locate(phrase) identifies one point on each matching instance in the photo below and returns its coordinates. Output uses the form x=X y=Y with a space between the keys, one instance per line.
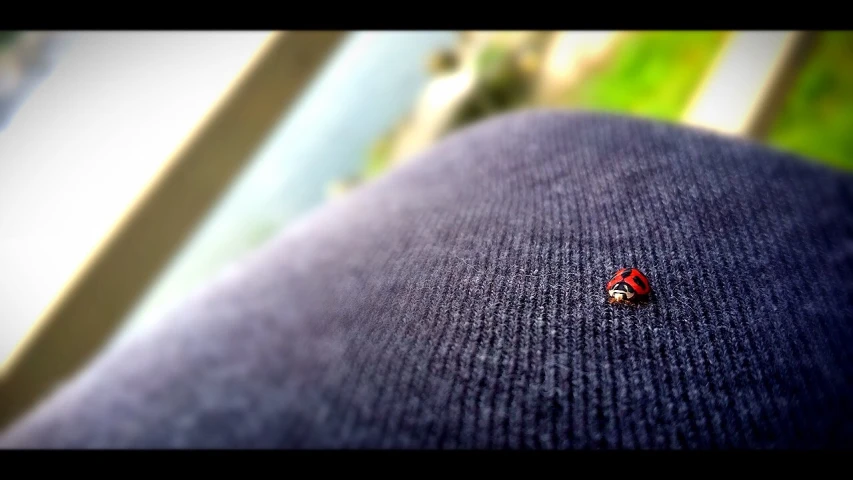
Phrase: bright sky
x=87 y=141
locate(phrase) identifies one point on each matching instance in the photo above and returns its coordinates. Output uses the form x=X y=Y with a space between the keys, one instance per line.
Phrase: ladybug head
x=622 y=291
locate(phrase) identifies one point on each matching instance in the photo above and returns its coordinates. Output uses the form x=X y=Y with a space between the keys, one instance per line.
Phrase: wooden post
x=749 y=81
x=90 y=308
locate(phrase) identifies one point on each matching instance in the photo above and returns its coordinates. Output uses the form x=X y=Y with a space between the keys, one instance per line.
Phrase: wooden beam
x=794 y=55
x=748 y=82
x=91 y=307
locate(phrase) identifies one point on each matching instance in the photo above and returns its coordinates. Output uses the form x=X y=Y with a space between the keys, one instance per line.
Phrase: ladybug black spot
x=626 y=273
x=640 y=282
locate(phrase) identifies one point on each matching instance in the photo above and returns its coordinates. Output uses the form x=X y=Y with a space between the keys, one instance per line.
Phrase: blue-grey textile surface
x=459 y=302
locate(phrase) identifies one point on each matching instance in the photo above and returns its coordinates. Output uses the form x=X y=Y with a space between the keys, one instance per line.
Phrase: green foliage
x=656 y=74
x=817 y=118
x=653 y=74
x=379 y=157
x=491 y=60
x=501 y=86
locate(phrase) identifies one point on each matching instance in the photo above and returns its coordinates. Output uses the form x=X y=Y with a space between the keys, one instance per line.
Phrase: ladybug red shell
x=628 y=285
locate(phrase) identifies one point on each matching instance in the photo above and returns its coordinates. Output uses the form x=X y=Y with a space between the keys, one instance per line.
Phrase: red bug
x=628 y=285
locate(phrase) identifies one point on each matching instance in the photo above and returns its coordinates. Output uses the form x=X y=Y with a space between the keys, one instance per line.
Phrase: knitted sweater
x=459 y=302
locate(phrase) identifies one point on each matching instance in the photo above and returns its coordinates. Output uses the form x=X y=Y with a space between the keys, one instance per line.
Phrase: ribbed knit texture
x=459 y=303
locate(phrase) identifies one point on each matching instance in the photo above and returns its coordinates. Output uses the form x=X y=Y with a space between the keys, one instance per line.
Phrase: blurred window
x=87 y=124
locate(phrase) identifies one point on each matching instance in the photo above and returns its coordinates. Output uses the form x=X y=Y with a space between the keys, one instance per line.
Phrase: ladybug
x=628 y=285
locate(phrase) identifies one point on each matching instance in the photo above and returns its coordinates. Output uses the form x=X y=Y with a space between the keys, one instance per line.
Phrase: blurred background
x=88 y=119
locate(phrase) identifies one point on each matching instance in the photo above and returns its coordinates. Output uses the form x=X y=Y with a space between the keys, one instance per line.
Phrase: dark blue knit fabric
x=459 y=303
